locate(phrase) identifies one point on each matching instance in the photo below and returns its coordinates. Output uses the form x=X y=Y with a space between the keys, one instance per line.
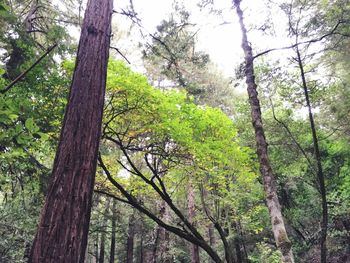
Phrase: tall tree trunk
x=113 y=239
x=97 y=252
x=103 y=234
x=164 y=238
x=238 y=243
x=155 y=244
x=191 y=215
x=211 y=235
x=130 y=240
x=141 y=233
x=320 y=175
x=63 y=229
x=278 y=227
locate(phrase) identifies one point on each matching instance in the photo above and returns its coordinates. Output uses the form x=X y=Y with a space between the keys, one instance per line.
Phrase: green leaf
x=43 y=136
x=31 y=126
x=23 y=139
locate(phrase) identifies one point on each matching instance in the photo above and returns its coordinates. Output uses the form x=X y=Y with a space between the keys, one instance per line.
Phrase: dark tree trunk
x=273 y=204
x=320 y=175
x=191 y=215
x=238 y=243
x=163 y=237
x=212 y=239
x=97 y=252
x=156 y=243
x=113 y=239
x=63 y=229
x=103 y=234
x=130 y=240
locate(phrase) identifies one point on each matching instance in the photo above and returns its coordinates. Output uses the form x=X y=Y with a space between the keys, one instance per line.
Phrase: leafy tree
x=164 y=139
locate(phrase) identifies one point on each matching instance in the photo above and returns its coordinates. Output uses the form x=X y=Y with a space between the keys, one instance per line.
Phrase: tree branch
x=301 y=43
x=120 y=53
x=8 y=87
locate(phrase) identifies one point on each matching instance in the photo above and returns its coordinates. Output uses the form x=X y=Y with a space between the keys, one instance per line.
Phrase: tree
x=173 y=60
x=277 y=221
x=162 y=139
x=63 y=228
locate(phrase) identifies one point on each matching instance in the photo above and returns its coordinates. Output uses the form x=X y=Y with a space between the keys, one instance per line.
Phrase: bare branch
x=120 y=53
x=8 y=87
x=307 y=42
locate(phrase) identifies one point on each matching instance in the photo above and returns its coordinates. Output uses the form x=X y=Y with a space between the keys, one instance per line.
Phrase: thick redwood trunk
x=278 y=227
x=191 y=215
x=63 y=229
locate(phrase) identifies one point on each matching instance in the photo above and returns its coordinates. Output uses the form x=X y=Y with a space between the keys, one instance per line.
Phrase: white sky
x=221 y=42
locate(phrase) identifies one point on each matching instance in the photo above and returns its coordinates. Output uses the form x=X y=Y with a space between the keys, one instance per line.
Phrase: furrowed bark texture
x=278 y=227
x=63 y=229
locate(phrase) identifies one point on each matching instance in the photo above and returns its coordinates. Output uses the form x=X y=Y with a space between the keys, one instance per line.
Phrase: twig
x=292 y=137
x=29 y=69
x=120 y=53
x=301 y=43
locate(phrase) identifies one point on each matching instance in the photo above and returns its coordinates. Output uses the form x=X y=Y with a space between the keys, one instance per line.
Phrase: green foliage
x=265 y=254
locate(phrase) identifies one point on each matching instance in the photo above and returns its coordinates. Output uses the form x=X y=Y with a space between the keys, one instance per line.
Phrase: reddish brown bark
x=63 y=229
x=278 y=227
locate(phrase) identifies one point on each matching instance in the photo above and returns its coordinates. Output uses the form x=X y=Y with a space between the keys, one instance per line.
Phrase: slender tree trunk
x=164 y=238
x=97 y=252
x=238 y=243
x=191 y=215
x=212 y=239
x=130 y=240
x=101 y=257
x=155 y=244
x=103 y=234
x=320 y=175
x=278 y=227
x=113 y=239
x=63 y=228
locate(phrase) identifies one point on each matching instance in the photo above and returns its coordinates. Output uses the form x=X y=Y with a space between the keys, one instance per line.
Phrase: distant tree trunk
x=211 y=235
x=130 y=240
x=155 y=244
x=103 y=234
x=114 y=219
x=97 y=252
x=238 y=243
x=320 y=174
x=211 y=228
x=278 y=227
x=142 y=254
x=191 y=215
x=164 y=238
x=63 y=229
